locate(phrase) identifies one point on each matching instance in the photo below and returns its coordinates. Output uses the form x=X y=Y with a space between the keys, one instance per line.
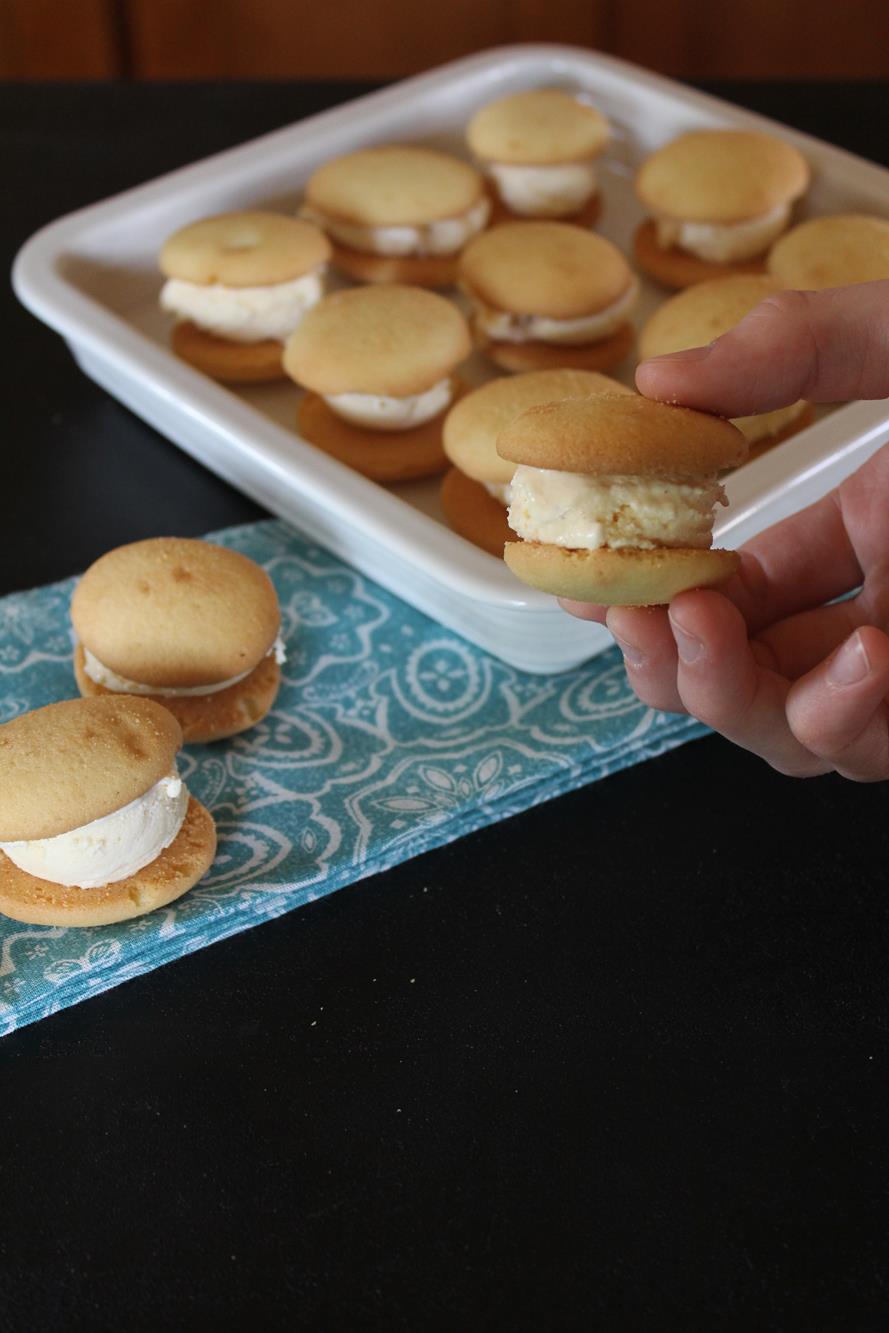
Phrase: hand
x=764 y=661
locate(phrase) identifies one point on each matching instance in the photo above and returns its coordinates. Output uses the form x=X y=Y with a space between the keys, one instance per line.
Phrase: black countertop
x=617 y=1063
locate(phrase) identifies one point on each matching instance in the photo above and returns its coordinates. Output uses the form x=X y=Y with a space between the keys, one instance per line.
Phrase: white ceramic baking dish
x=92 y=276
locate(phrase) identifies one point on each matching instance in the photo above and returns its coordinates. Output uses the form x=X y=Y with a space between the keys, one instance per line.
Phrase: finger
x=721 y=683
x=644 y=637
x=583 y=610
x=794 y=646
x=838 y=710
x=827 y=346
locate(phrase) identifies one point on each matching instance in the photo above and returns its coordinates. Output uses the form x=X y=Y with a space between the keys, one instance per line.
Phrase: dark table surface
x=617 y=1063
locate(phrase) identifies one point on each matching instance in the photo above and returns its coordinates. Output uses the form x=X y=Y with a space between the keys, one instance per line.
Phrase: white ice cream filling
x=244 y=314
x=584 y=512
x=376 y=411
x=503 y=326
x=765 y=424
x=724 y=242
x=446 y=236
x=103 y=675
x=544 y=191
x=112 y=847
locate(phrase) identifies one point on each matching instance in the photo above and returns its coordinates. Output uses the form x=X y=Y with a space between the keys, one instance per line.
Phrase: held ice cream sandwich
x=475 y=490
x=613 y=498
x=96 y=825
x=379 y=363
x=539 y=150
x=836 y=251
x=192 y=625
x=548 y=295
x=718 y=200
x=398 y=213
x=700 y=314
x=239 y=284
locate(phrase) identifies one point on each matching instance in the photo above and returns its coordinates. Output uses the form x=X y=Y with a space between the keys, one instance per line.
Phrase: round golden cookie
x=618 y=578
x=700 y=314
x=587 y=216
x=596 y=356
x=394 y=341
x=69 y=763
x=434 y=271
x=544 y=268
x=176 y=613
x=673 y=267
x=472 y=426
x=695 y=317
x=394 y=185
x=244 y=249
x=473 y=513
x=624 y=434
x=178 y=868
x=206 y=717
x=224 y=359
x=721 y=176
x=385 y=456
x=836 y=251
x=542 y=127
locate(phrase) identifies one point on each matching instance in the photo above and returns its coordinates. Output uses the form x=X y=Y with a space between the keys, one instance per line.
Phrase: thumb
x=827 y=347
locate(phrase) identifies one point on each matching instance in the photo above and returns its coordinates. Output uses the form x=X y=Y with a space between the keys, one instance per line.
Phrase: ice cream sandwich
x=398 y=213
x=695 y=317
x=475 y=489
x=539 y=150
x=192 y=625
x=718 y=199
x=379 y=363
x=96 y=825
x=612 y=498
x=548 y=295
x=238 y=284
x=835 y=251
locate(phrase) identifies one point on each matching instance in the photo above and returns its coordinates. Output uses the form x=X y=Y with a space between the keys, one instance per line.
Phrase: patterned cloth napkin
x=390 y=735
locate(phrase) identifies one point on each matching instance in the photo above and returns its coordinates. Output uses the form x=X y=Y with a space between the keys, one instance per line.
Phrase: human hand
x=764 y=661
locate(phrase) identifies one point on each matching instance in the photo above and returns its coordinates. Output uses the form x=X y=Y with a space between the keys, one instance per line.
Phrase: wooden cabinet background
x=185 y=39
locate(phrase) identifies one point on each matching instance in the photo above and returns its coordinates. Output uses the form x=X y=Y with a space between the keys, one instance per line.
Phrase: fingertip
x=583 y=610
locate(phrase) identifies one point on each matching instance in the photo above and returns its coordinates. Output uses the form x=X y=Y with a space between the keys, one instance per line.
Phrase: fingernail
x=849 y=664
x=689 y=354
x=689 y=646
x=632 y=655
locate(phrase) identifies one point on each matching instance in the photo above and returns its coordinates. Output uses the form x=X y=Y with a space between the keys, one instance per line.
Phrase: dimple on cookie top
x=544 y=268
x=244 y=249
x=622 y=434
x=472 y=427
x=545 y=126
x=386 y=339
x=394 y=184
x=174 y=612
x=721 y=176
x=69 y=763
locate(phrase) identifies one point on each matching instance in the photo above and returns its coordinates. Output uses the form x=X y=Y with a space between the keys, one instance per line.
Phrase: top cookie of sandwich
x=696 y=316
x=835 y=251
x=246 y=249
x=624 y=435
x=472 y=427
x=544 y=268
x=176 y=613
x=382 y=340
x=540 y=128
x=395 y=184
x=721 y=176
x=70 y=763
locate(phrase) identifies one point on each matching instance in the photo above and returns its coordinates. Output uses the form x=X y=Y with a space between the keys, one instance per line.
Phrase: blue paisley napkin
x=390 y=735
